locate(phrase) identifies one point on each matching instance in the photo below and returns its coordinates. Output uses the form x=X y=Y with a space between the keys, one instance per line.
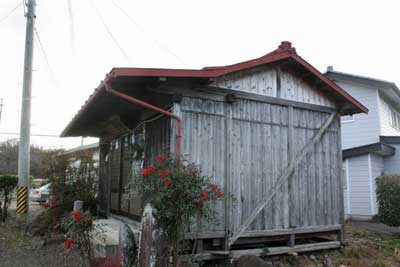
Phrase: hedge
x=388 y=198
x=7 y=186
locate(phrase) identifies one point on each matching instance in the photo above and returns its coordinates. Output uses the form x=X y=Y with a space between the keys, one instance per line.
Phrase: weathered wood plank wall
x=158 y=137
x=260 y=143
x=115 y=173
x=104 y=179
x=203 y=141
x=263 y=81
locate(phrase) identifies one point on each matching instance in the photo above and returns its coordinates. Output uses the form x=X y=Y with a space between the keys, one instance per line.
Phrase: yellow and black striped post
x=22 y=199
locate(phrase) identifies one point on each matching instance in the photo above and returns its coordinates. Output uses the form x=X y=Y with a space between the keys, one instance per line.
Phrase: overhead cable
x=10 y=13
x=140 y=28
x=109 y=31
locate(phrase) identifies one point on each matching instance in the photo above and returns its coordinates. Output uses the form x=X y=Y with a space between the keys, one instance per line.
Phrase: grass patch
x=14 y=235
x=364 y=249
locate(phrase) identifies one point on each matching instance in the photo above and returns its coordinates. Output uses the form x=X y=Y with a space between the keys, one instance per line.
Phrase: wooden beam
x=219 y=94
x=228 y=171
x=271 y=251
x=283 y=178
x=305 y=230
x=267 y=233
x=291 y=155
x=268 y=251
x=341 y=178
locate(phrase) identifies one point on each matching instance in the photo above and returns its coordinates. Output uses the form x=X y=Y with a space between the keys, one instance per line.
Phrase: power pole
x=24 y=141
x=1 y=107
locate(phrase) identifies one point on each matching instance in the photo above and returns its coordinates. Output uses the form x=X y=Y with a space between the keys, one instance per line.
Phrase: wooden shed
x=267 y=130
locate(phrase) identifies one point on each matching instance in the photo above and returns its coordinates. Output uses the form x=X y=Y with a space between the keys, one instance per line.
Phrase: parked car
x=41 y=194
x=38 y=182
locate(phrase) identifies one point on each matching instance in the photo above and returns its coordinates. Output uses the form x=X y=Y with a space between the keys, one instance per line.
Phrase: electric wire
x=140 y=28
x=44 y=54
x=41 y=135
x=10 y=13
x=71 y=24
x=109 y=31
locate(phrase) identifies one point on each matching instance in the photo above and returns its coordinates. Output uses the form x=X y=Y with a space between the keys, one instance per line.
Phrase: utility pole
x=24 y=141
x=1 y=107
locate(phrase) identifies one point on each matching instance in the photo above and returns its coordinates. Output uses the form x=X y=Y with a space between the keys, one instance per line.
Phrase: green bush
x=69 y=182
x=7 y=186
x=388 y=197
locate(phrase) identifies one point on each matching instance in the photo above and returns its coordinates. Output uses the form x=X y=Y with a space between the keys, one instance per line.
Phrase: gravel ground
x=18 y=248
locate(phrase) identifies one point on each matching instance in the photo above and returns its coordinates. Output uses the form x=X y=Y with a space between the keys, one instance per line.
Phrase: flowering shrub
x=79 y=227
x=179 y=192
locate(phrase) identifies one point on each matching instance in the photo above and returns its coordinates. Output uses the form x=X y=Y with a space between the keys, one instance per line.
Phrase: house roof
x=377 y=148
x=390 y=139
x=81 y=148
x=390 y=89
x=285 y=51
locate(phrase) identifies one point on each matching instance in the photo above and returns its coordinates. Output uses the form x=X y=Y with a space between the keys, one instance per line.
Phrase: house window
x=347 y=118
x=394 y=119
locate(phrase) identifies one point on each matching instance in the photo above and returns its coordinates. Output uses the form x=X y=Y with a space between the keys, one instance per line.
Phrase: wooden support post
x=121 y=172
x=176 y=109
x=290 y=160
x=228 y=171
x=292 y=240
x=283 y=178
x=199 y=246
x=341 y=177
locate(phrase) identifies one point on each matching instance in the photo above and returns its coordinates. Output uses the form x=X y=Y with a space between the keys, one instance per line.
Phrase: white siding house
x=364 y=124
x=370 y=142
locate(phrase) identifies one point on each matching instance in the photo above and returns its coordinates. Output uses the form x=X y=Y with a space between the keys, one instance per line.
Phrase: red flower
x=167 y=183
x=163 y=173
x=68 y=243
x=214 y=186
x=77 y=215
x=205 y=195
x=161 y=158
x=147 y=171
x=89 y=221
x=220 y=193
x=200 y=203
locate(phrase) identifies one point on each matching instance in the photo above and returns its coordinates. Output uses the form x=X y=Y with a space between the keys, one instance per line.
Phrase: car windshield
x=45 y=187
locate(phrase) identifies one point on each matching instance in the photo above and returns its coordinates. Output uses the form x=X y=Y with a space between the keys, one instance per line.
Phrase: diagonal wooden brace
x=283 y=178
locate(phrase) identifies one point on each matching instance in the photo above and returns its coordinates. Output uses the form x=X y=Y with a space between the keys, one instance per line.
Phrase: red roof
x=284 y=51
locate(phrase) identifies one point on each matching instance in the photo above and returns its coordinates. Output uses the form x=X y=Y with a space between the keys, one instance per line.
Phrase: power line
x=40 y=135
x=44 y=54
x=109 y=31
x=71 y=24
x=1 y=107
x=10 y=13
x=139 y=27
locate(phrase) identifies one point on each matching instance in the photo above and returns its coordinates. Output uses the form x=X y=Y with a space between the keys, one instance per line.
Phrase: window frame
x=394 y=118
